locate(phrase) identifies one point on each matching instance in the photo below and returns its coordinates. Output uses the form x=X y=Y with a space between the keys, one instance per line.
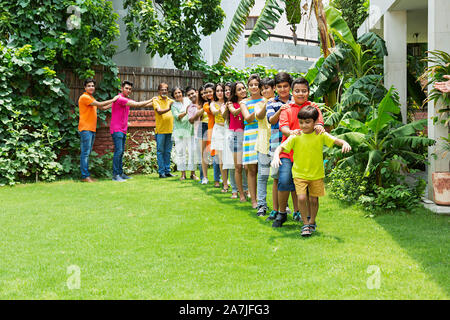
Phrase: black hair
x=175 y=89
x=269 y=82
x=201 y=101
x=255 y=76
x=233 y=96
x=281 y=77
x=189 y=88
x=89 y=81
x=308 y=112
x=227 y=84
x=126 y=82
x=300 y=81
x=215 y=88
x=209 y=85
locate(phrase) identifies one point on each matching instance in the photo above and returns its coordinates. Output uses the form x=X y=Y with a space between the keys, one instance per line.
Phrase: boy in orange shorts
x=308 y=171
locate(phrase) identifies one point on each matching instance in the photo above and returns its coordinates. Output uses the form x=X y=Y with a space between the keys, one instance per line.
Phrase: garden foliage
x=38 y=40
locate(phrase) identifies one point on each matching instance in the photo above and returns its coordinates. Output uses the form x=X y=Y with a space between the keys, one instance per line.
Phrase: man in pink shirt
x=120 y=110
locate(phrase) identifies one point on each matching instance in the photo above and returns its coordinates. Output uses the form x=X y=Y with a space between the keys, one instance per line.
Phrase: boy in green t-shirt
x=308 y=171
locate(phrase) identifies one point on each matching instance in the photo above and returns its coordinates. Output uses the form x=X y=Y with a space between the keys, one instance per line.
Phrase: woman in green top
x=183 y=131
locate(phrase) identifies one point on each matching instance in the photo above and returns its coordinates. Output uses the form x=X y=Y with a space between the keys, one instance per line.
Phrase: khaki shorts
x=316 y=187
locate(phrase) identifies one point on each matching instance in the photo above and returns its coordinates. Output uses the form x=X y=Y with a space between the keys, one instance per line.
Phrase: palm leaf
x=236 y=29
x=374 y=42
x=382 y=117
x=340 y=27
x=375 y=157
x=270 y=15
x=412 y=142
x=353 y=138
x=408 y=129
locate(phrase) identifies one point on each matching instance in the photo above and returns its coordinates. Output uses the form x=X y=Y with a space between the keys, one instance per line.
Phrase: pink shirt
x=119 y=115
x=236 y=122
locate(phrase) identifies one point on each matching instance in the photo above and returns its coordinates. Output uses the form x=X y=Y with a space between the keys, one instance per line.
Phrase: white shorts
x=218 y=137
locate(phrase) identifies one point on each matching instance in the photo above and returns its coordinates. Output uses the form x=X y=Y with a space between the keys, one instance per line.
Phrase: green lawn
x=164 y=239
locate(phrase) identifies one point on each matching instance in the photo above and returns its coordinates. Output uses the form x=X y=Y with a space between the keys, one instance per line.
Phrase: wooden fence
x=145 y=86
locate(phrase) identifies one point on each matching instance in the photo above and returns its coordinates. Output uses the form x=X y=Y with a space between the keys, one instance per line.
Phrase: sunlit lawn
x=164 y=239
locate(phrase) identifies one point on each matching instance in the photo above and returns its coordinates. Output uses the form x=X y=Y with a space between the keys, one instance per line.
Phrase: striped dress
x=250 y=155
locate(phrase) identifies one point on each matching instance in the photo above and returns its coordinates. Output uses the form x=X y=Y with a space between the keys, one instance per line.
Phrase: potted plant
x=439 y=65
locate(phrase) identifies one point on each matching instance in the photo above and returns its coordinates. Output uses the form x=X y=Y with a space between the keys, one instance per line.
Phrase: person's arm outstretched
x=344 y=144
x=105 y=104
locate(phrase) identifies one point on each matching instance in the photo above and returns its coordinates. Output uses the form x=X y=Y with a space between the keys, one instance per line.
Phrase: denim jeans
x=232 y=177
x=263 y=176
x=285 y=181
x=119 y=139
x=163 y=151
x=216 y=168
x=87 y=142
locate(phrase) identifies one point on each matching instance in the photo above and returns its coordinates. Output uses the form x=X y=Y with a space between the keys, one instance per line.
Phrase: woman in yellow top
x=218 y=133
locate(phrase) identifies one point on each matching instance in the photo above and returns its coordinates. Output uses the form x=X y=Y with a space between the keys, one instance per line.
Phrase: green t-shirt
x=308 y=154
x=181 y=128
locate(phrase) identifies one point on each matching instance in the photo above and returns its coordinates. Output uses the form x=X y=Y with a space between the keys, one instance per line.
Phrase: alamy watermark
x=74 y=280
x=374 y=281
x=74 y=20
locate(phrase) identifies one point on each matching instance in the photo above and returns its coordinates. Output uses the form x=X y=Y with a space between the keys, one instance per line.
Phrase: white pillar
x=395 y=64
x=438 y=39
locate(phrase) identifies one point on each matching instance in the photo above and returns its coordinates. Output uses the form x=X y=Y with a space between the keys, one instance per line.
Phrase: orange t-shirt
x=211 y=120
x=88 y=113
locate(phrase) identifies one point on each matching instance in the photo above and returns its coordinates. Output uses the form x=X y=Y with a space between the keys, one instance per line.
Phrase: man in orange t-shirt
x=87 y=125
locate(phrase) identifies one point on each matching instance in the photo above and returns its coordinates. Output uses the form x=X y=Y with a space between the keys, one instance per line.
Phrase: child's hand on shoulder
x=319 y=129
x=296 y=132
x=284 y=107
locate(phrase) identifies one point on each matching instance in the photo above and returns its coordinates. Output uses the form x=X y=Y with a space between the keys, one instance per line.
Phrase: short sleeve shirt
x=164 y=122
x=119 y=115
x=289 y=118
x=275 y=134
x=88 y=113
x=181 y=128
x=308 y=154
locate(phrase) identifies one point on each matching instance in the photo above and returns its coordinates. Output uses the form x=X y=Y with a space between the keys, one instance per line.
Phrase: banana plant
x=381 y=139
x=270 y=15
x=350 y=61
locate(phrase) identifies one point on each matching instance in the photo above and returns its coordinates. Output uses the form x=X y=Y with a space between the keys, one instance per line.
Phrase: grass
x=164 y=239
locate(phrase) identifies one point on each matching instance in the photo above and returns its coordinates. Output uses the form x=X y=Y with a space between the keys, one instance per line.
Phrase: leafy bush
x=38 y=40
x=221 y=73
x=143 y=159
x=347 y=184
x=395 y=197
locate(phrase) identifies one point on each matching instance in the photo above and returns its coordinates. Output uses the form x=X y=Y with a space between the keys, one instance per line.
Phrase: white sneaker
x=288 y=211
x=205 y=181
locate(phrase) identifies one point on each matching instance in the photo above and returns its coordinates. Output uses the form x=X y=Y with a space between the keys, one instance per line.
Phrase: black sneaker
x=162 y=176
x=169 y=175
x=296 y=216
x=272 y=215
x=279 y=220
x=261 y=211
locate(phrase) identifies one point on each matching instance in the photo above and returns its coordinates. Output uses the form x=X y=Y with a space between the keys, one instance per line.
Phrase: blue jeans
x=216 y=168
x=263 y=176
x=232 y=177
x=87 y=142
x=285 y=181
x=163 y=151
x=119 y=139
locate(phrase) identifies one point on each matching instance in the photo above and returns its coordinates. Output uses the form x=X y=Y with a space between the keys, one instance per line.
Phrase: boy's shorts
x=316 y=187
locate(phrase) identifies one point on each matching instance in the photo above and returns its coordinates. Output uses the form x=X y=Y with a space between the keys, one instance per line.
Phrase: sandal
x=312 y=227
x=224 y=190
x=306 y=231
x=234 y=195
x=217 y=185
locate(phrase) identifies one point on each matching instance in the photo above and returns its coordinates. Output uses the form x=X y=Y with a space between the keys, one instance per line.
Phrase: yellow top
x=164 y=122
x=218 y=117
x=263 y=140
x=308 y=154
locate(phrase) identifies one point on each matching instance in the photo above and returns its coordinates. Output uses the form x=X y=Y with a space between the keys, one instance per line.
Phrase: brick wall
x=140 y=123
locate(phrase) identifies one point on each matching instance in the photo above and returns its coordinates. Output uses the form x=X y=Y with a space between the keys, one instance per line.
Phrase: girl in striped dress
x=250 y=156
